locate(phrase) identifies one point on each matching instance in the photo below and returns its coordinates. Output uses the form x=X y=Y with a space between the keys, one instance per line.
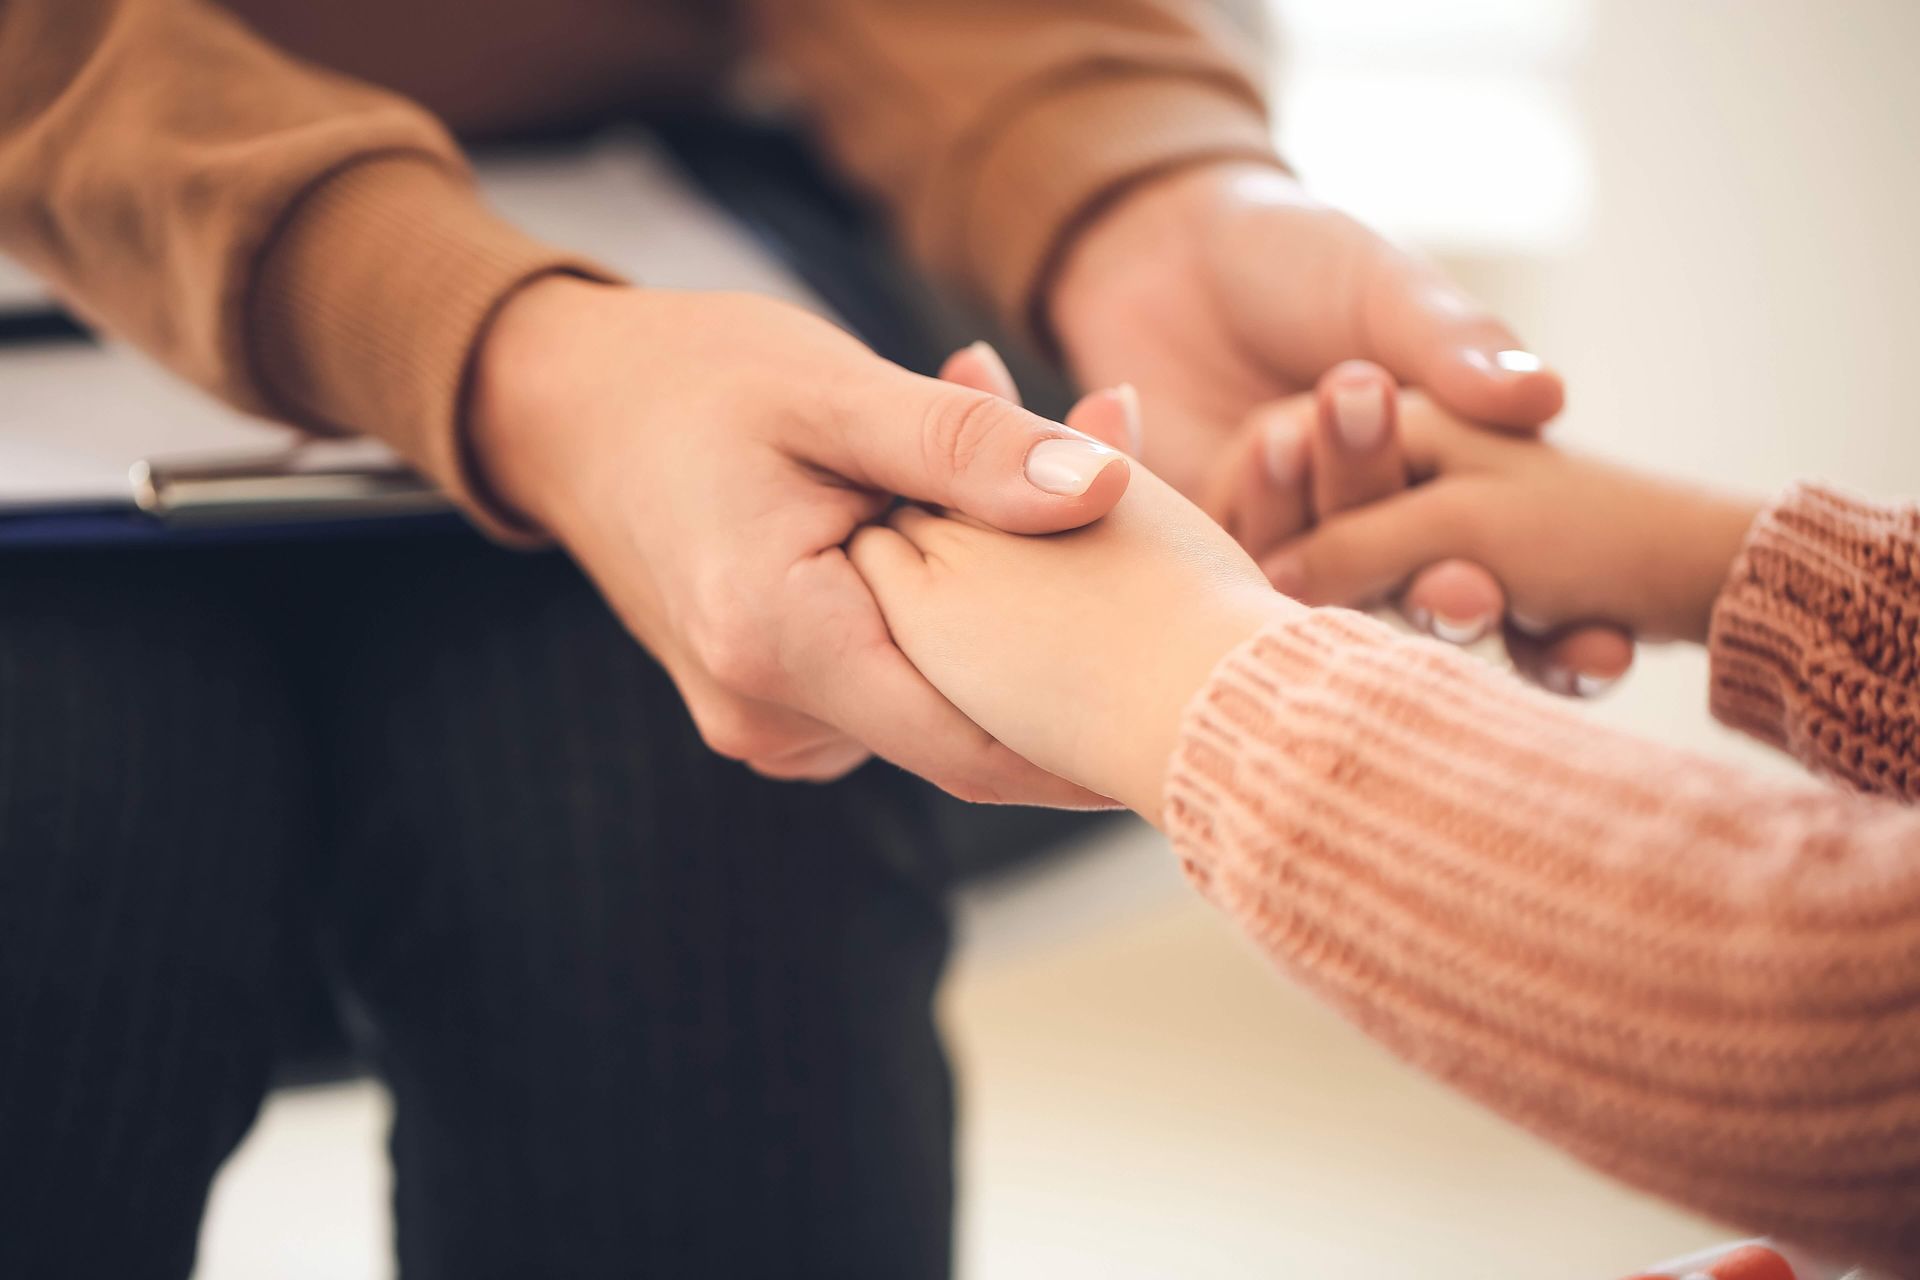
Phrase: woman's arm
x=993 y=129
x=305 y=246
x=1696 y=979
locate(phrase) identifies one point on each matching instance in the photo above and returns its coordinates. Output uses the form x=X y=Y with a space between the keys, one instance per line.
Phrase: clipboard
x=701 y=202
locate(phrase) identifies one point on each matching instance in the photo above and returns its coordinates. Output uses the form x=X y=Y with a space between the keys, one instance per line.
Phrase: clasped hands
x=1081 y=651
x=708 y=458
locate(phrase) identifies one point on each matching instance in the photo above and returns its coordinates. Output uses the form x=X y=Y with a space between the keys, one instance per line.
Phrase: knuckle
x=734 y=644
x=958 y=429
x=730 y=729
x=827 y=762
x=738 y=661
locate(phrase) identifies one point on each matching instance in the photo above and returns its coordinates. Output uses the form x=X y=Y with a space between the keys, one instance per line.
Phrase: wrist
x=1185 y=665
x=519 y=380
x=1716 y=533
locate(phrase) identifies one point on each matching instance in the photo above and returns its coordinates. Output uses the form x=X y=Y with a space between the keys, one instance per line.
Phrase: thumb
x=1362 y=555
x=1111 y=415
x=972 y=452
x=1430 y=332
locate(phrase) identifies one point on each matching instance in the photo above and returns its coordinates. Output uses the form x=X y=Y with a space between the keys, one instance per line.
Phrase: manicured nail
x=1067 y=466
x=1528 y=624
x=1510 y=361
x=1588 y=686
x=1360 y=416
x=1285 y=450
x=1459 y=630
x=1129 y=397
x=996 y=367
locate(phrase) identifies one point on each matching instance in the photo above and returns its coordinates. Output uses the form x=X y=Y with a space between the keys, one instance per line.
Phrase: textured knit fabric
x=308 y=245
x=643 y=1013
x=1696 y=979
x=1814 y=639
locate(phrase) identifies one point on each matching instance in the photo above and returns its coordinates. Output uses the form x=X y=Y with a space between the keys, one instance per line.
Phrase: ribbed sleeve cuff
x=1813 y=639
x=370 y=300
x=1061 y=153
x=1270 y=683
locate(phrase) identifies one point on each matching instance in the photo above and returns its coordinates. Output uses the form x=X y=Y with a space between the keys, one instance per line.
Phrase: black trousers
x=643 y=1013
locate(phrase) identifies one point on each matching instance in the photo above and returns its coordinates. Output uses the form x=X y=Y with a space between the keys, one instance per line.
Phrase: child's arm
x=1571 y=538
x=1809 y=607
x=1814 y=638
x=1695 y=979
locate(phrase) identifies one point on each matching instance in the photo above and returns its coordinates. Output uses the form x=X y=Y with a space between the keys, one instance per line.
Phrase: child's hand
x=1079 y=651
x=1572 y=539
x=1304 y=459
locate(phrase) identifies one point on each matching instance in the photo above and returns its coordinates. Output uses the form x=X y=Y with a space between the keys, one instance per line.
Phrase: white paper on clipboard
x=76 y=418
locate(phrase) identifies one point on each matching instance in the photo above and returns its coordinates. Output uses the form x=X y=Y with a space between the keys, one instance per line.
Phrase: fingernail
x=1129 y=397
x=1592 y=686
x=1067 y=466
x=1360 y=416
x=996 y=367
x=1510 y=361
x=1459 y=630
x=1561 y=681
x=1285 y=450
x=1529 y=624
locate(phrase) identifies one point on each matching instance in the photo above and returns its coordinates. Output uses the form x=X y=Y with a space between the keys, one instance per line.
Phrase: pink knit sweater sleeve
x=1698 y=980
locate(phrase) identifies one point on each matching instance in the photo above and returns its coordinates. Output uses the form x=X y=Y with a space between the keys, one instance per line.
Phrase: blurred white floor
x=1146 y=1099
x=1141 y=1097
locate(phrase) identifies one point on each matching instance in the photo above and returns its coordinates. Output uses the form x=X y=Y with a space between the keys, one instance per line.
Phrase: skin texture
x=1453 y=599
x=1569 y=537
x=1081 y=650
x=776 y=435
x=1220 y=289
x=705 y=457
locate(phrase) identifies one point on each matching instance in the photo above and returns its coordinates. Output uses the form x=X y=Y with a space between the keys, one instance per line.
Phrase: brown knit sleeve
x=991 y=129
x=1814 y=638
x=1700 y=981
x=305 y=246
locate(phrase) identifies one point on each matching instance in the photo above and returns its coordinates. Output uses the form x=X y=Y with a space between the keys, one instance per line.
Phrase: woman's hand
x=1570 y=538
x=1220 y=287
x=705 y=457
x=1078 y=650
x=1224 y=289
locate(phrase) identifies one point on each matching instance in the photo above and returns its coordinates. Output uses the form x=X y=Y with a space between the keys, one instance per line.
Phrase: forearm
x=1695 y=980
x=992 y=130
x=1813 y=638
x=306 y=247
